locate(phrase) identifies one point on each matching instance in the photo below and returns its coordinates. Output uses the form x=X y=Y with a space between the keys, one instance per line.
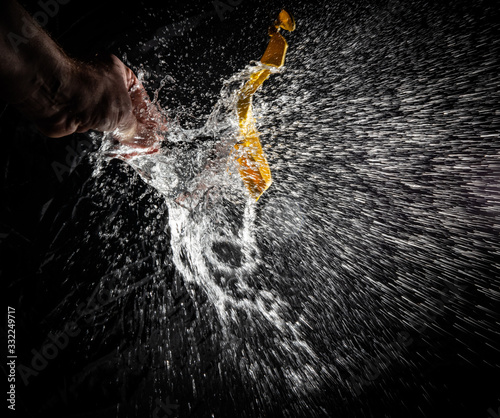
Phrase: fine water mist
x=368 y=266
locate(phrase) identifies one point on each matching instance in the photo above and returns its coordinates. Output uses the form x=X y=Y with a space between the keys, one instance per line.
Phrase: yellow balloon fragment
x=253 y=166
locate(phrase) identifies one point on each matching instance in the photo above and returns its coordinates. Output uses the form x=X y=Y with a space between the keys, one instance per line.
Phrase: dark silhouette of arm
x=60 y=94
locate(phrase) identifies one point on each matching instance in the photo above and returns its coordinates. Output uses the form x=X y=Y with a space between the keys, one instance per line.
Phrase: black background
x=198 y=63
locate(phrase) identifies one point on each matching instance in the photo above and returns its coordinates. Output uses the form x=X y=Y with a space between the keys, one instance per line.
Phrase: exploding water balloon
x=360 y=280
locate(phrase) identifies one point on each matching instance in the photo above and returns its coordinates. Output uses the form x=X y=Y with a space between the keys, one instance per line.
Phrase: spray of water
x=212 y=224
x=382 y=220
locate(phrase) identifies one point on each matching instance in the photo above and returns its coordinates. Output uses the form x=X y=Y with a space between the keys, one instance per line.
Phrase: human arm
x=63 y=95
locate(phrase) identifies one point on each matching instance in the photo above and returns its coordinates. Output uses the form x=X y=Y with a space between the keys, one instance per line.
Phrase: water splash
x=212 y=224
x=378 y=241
